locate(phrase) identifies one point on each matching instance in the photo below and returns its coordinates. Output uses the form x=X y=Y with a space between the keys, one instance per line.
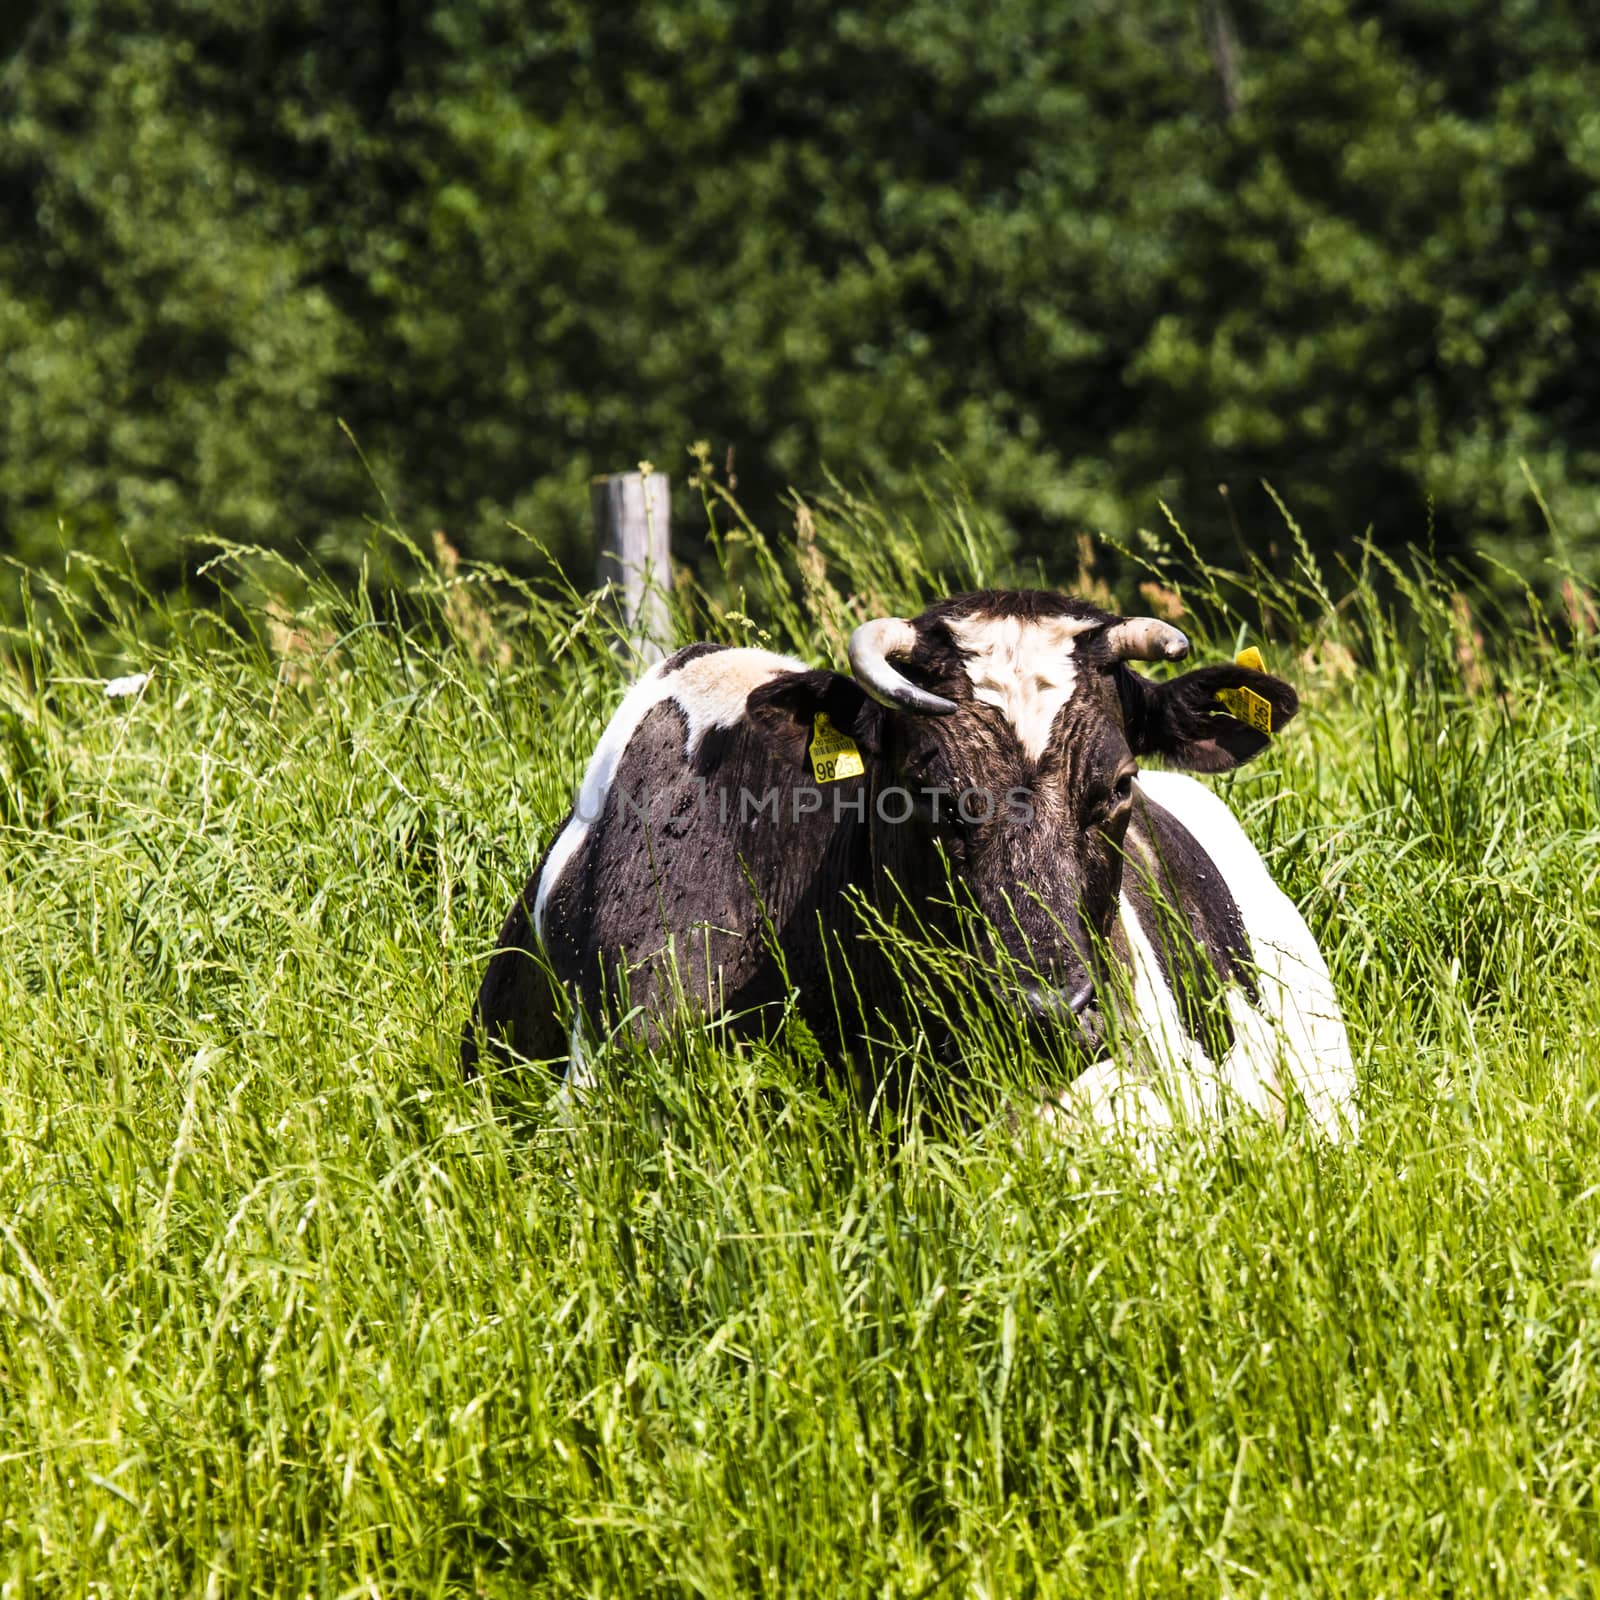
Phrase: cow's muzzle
x=1045 y=1002
x=1070 y=1009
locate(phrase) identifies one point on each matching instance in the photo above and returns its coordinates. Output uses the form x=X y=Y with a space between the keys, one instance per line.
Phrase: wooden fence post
x=633 y=552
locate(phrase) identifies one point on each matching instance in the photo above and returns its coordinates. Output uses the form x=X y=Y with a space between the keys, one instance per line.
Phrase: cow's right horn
x=871 y=646
x=1146 y=639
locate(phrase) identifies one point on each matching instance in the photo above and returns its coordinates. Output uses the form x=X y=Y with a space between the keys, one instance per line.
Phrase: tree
x=1086 y=258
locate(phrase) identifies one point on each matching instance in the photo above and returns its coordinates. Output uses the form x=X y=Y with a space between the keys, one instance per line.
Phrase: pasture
x=288 y=1308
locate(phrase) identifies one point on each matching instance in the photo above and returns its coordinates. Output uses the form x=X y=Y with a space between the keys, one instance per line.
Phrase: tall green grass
x=288 y=1308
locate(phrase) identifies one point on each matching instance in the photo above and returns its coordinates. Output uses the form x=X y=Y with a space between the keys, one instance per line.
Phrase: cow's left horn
x=1145 y=639
x=871 y=646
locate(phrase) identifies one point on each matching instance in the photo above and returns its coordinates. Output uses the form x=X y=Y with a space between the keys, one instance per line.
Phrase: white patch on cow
x=1160 y=1078
x=711 y=690
x=1169 y=1078
x=1109 y=1098
x=1023 y=668
x=1297 y=1035
x=580 y=1075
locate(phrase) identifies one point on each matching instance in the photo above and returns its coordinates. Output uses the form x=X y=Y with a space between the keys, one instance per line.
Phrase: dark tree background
x=1086 y=257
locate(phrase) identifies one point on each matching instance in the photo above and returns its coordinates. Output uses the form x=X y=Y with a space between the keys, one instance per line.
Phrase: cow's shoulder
x=1184 y=843
x=1186 y=915
x=1195 y=818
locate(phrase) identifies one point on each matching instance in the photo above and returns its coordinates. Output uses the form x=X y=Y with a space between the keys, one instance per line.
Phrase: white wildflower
x=124 y=688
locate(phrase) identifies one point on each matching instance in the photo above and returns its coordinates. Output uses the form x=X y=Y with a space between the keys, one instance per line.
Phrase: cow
x=746 y=815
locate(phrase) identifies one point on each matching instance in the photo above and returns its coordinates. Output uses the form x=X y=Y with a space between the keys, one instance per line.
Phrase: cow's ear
x=784 y=711
x=1208 y=720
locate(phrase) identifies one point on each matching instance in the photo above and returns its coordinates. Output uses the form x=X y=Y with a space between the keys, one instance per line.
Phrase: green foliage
x=1082 y=257
x=286 y=1307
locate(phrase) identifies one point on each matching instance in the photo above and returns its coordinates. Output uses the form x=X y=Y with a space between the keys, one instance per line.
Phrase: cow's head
x=1012 y=724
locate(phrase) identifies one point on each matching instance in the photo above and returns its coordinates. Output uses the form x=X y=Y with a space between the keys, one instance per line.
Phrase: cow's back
x=685 y=864
x=696 y=870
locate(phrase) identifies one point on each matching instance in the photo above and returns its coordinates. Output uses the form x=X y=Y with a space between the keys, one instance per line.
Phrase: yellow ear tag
x=1246 y=704
x=833 y=754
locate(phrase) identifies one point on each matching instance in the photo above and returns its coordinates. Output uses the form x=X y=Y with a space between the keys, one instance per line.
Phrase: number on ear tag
x=1247 y=706
x=833 y=754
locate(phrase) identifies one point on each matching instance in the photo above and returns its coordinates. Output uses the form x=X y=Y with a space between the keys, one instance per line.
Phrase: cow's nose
x=1059 y=1002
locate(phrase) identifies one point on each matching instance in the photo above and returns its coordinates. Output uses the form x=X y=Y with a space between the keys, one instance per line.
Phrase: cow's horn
x=1145 y=639
x=871 y=646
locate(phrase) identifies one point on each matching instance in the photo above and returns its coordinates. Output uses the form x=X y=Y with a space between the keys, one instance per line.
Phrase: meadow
x=287 y=1307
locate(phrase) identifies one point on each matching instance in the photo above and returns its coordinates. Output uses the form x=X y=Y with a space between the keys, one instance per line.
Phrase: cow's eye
x=1118 y=798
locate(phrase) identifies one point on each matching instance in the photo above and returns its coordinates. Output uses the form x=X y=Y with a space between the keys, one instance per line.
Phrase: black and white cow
x=991 y=744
